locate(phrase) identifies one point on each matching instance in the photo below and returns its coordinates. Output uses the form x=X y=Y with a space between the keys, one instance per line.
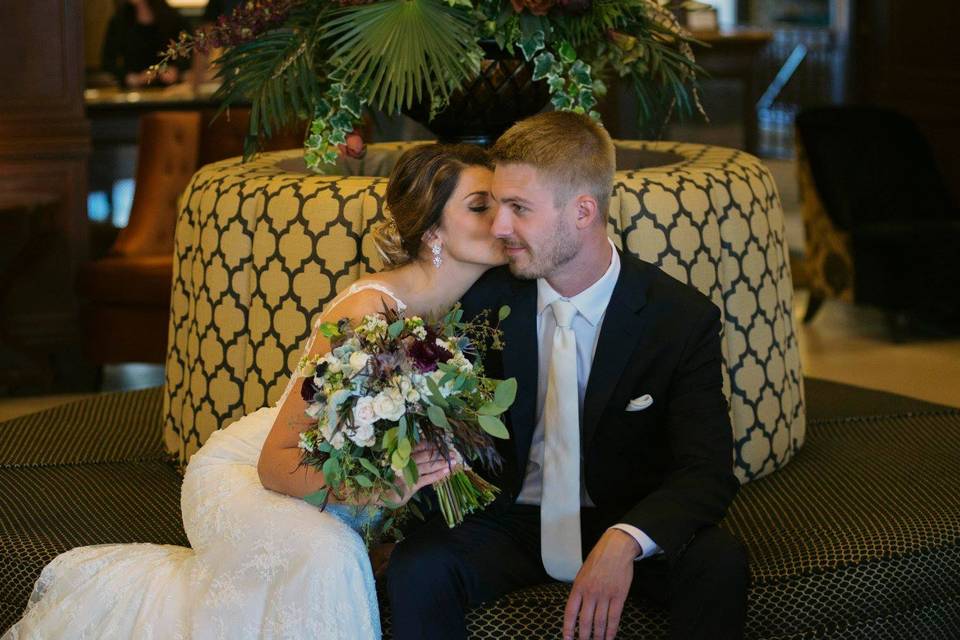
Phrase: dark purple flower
x=309 y=389
x=427 y=353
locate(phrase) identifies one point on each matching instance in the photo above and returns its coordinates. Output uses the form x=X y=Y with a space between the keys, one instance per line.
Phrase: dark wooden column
x=905 y=57
x=44 y=144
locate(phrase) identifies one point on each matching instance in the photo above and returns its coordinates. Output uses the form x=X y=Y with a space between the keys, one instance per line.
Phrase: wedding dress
x=261 y=564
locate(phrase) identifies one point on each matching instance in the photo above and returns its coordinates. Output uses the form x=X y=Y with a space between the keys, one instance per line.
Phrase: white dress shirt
x=591 y=304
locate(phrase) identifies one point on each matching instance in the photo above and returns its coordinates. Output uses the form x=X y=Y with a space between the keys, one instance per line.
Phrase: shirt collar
x=592 y=302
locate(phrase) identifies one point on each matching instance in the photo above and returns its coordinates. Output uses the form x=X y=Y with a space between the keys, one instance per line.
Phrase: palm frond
x=275 y=73
x=399 y=51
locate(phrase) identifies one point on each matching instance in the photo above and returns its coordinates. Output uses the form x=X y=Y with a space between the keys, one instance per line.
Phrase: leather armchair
x=127 y=293
x=881 y=228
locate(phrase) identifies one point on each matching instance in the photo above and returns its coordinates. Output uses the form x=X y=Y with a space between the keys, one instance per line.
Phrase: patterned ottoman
x=262 y=246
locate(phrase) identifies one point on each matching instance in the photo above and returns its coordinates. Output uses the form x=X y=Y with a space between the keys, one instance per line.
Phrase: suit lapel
x=622 y=329
x=520 y=360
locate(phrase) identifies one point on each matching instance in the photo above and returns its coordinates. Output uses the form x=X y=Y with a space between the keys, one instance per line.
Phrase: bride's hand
x=431 y=467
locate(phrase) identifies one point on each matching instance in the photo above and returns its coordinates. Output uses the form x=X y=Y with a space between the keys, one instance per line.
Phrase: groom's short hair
x=570 y=149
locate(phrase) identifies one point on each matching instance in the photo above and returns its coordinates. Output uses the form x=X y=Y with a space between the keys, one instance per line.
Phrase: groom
x=619 y=465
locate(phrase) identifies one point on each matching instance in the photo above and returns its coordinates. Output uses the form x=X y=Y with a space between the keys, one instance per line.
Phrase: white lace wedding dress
x=261 y=564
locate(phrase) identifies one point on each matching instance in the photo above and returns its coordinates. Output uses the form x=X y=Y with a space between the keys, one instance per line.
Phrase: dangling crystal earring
x=437 y=260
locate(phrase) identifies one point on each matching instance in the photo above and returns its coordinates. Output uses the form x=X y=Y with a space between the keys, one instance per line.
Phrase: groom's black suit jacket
x=668 y=469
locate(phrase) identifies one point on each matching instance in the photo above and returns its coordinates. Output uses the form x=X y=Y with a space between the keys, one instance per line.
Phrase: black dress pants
x=438 y=574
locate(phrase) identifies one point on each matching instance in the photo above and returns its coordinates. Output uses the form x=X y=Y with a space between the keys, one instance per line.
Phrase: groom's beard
x=559 y=249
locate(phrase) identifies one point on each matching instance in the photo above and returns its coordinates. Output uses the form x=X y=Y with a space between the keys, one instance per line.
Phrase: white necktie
x=560 y=500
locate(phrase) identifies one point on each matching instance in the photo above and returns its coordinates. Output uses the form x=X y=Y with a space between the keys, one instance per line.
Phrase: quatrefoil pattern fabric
x=262 y=246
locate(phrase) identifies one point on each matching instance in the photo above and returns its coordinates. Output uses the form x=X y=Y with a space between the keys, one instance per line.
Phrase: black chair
x=881 y=227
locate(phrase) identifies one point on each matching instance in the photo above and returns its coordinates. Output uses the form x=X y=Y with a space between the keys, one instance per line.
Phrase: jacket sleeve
x=700 y=485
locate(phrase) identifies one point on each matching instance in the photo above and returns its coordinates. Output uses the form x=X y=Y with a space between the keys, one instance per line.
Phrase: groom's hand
x=601 y=587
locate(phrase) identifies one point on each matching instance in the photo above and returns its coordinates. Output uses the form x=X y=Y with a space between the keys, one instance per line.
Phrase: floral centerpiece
x=326 y=60
x=389 y=383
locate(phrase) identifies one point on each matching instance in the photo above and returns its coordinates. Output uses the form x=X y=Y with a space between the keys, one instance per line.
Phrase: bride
x=263 y=563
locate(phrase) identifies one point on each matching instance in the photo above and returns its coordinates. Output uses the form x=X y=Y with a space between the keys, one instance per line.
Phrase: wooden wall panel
x=44 y=145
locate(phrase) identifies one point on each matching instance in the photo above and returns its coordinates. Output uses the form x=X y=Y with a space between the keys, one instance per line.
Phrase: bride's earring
x=435 y=249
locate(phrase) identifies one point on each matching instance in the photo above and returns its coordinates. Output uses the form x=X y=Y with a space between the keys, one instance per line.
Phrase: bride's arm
x=280 y=457
x=279 y=465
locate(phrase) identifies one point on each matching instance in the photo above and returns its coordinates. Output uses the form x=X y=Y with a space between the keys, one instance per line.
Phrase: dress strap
x=357 y=287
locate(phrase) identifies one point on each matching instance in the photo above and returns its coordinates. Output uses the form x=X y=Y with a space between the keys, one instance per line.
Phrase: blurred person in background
x=136 y=34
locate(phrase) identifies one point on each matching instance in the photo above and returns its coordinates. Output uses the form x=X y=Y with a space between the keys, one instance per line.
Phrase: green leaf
x=503 y=313
x=531 y=42
x=580 y=74
x=402 y=426
x=395 y=329
x=331 y=470
x=329 y=330
x=544 y=65
x=317 y=498
x=435 y=396
x=369 y=466
x=561 y=101
x=410 y=474
x=404 y=447
x=586 y=99
x=400 y=51
x=567 y=54
x=437 y=416
x=505 y=393
x=398 y=461
x=491 y=409
x=390 y=438
x=493 y=426
x=351 y=102
x=363 y=481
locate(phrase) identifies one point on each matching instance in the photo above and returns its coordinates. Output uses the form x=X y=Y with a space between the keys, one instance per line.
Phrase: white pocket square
x=641 y=403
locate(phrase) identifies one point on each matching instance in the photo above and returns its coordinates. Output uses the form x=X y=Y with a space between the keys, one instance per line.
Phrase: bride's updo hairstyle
x=418 y=189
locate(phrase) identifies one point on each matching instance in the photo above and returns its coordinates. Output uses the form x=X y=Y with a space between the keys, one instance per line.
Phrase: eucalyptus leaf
x=503 y=313
x=437 y=416
x=395 y=329
x=493 y=426
x=369 y=466
x=491 y=409
x=363 y=481
x=505 y=393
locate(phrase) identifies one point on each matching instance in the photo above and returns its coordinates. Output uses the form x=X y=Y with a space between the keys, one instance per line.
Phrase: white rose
x=333 y=363
x=363 y=435
x=358 y=360
x=408 y=391
x=389 y=405
x=363 y=412
x=337 y=441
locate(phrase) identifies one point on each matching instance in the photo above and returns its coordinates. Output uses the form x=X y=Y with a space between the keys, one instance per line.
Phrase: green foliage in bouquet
x=325 y=60
x=390 y=382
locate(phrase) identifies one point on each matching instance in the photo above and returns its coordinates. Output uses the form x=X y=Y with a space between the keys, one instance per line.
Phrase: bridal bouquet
x=390 y=382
